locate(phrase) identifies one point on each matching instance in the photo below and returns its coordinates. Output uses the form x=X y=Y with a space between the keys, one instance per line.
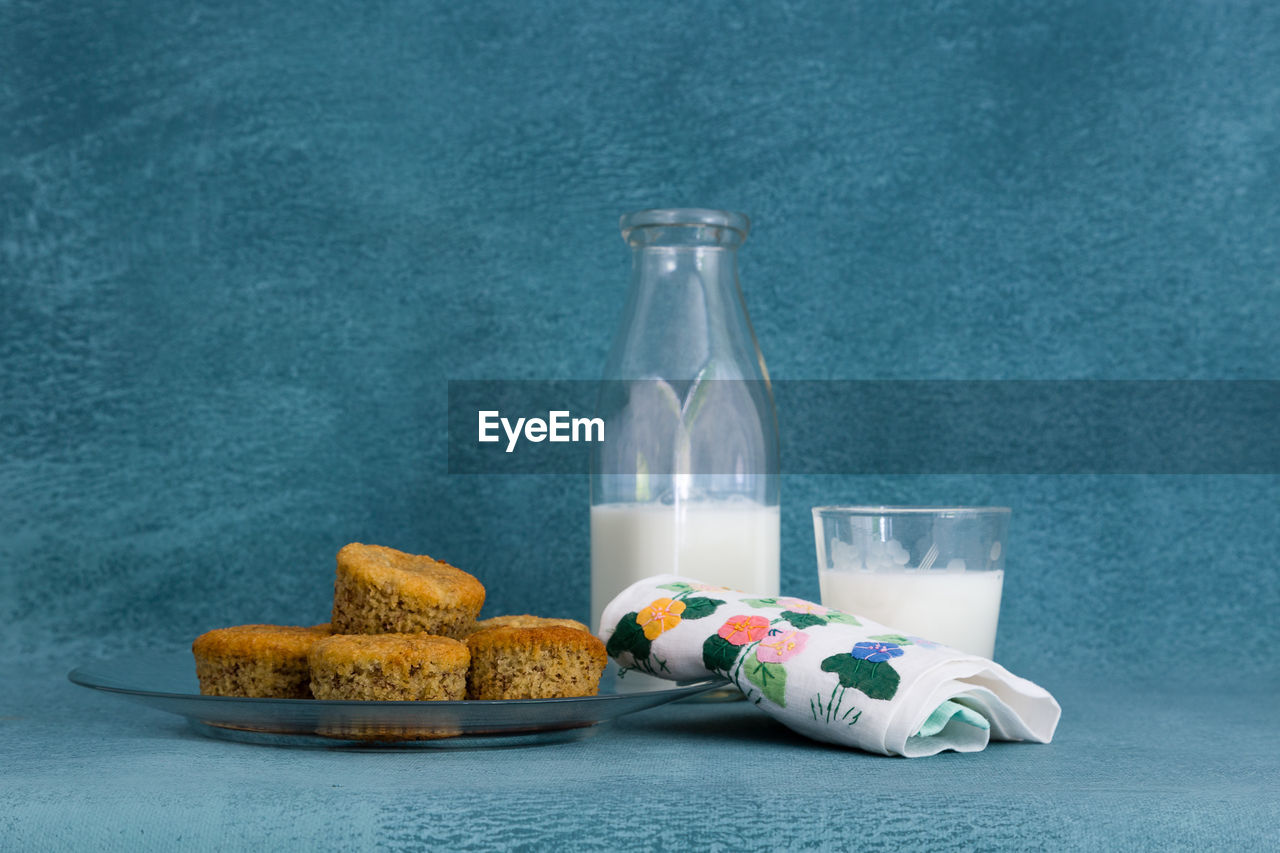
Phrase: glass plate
x=168 y=682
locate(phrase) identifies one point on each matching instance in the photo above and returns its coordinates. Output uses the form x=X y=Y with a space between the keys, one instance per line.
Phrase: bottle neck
x=685 y=317
x=684 y=269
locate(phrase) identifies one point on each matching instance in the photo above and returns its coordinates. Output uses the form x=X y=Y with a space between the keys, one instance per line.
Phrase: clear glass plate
x=167 y=681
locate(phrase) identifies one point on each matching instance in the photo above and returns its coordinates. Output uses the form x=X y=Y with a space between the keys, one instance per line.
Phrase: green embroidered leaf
x=696 y=608
x=891 y=638
x=803 y=620
x=877 y=680
x=834 y=663
x=770 y=677
x=628 y=636
x=676 y=586
x=620 y=641
x=760 y=602
x=880 y=683
x=839 y=618
x=718 y=653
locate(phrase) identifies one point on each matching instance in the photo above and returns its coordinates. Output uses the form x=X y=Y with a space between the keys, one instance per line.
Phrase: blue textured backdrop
x=243 y=246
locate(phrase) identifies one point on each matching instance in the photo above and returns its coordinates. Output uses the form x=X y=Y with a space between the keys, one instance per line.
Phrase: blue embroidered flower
x=876 y=652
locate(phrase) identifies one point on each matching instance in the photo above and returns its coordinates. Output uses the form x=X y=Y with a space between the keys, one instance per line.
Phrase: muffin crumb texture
x=403 y=628
x=524 y=620
x=263 y=661
x=389 y=667
x=381 y=590
x=534 y=663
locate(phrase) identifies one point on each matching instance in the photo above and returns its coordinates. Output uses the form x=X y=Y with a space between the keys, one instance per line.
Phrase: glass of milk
x=929 y=572
x=686 y=479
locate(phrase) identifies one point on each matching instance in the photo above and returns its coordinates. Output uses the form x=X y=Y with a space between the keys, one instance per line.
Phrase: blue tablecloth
x=1185 y=766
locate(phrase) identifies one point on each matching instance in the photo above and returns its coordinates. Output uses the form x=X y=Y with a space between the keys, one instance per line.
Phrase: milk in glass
x=955 y=608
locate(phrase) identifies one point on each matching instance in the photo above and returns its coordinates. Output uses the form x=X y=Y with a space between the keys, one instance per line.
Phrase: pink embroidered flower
x=799 y=605
x=781 y=647
x=706 y=587
x=741 y=630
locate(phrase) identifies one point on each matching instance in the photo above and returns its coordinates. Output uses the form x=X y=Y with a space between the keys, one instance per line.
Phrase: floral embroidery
x=719 y=655
x=799 y=605
x=828 y=709
x=631 y=643
x=755 y=649
x=876 y=678
x=893 y=638
x=781 y=647
x=876 y=652
x=740 y=630
x=699 y=608
x=800 y=621
x=769 y=676
x=660 y=616
x=628 y=639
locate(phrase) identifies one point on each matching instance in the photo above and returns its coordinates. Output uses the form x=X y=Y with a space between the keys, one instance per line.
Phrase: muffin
x=384 y=591
x=267 y=661
x=389 y=667
x=524 y=620
x=546 y=662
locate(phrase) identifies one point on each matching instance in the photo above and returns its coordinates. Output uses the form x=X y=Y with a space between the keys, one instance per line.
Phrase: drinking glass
x=936 y=573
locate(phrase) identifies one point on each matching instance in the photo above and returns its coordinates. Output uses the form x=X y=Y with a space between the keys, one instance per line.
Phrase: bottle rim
x=690 y=217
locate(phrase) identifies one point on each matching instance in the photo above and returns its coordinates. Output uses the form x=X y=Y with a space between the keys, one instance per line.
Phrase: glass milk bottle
x=686 y=480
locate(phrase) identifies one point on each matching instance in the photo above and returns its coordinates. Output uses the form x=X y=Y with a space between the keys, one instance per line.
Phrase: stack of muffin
x=404 y=628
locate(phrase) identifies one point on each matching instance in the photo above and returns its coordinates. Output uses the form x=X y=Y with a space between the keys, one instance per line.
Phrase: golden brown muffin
x=524 y=620
x=392 y=667
x=384 y=591
x=256 y=660
x=534 y=663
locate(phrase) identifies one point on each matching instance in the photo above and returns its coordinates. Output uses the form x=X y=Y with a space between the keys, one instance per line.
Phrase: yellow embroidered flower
x=661 y=615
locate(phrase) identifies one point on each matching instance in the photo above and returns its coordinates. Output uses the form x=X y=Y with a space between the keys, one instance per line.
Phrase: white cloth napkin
x=826 y=674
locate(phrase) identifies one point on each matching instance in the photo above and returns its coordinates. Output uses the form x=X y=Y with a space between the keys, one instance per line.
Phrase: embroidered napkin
x=826 y=674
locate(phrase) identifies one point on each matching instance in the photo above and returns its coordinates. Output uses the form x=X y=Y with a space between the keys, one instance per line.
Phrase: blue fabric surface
x=1133 y=768
x=244 y=245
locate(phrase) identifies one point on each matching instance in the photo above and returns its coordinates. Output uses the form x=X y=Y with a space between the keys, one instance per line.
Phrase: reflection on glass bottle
x=687 y=478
